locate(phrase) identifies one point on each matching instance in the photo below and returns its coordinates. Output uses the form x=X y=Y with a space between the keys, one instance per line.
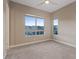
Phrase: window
x=34 y=25
x=55 y=24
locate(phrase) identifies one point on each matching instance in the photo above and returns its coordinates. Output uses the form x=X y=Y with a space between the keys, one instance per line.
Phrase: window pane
x=38 y=33
x=29 y=21
x=29 y=25
x=41 y=32
x=33 y=33
x=55 y=21
x=55 y=25
x=30 y=28
x=33 y=24
x=40 y=24
x=29 y=33
x=55 y=29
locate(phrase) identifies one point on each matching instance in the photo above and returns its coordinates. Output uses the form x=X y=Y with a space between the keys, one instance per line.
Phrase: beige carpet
x=44 y=50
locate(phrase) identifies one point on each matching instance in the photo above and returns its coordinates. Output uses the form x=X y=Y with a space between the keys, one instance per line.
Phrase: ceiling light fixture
x=47 y=2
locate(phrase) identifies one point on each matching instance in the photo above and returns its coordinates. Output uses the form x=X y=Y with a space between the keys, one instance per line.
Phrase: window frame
x=36 y=17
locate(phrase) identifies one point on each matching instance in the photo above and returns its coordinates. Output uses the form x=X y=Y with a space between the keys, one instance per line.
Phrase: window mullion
x=36 y=22
x=36 y=26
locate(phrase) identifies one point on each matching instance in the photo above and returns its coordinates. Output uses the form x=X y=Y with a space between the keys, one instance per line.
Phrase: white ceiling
x=51 y=7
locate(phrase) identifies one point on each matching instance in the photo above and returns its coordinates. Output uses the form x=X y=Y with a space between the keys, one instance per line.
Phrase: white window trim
x=35 y=25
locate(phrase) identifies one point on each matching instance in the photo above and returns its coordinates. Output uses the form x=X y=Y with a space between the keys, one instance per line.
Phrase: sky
x=30 y=21
x=55 y=21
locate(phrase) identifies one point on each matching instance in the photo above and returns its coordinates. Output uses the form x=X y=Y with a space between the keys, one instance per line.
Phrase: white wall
x=17 y=31
x=66 y=15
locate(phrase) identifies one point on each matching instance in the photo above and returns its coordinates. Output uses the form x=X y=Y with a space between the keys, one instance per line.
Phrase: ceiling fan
x=47 y=2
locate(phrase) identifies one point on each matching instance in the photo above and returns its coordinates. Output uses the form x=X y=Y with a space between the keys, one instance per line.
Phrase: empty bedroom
x=40 y=29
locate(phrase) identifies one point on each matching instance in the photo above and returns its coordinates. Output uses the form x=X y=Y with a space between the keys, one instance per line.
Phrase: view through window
x=34 y=25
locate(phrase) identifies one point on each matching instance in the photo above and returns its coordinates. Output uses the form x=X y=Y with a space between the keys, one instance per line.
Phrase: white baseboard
x=13 y=46
x=65 y=43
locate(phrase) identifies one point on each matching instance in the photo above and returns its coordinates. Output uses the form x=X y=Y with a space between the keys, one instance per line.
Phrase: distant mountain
x=34 y=27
